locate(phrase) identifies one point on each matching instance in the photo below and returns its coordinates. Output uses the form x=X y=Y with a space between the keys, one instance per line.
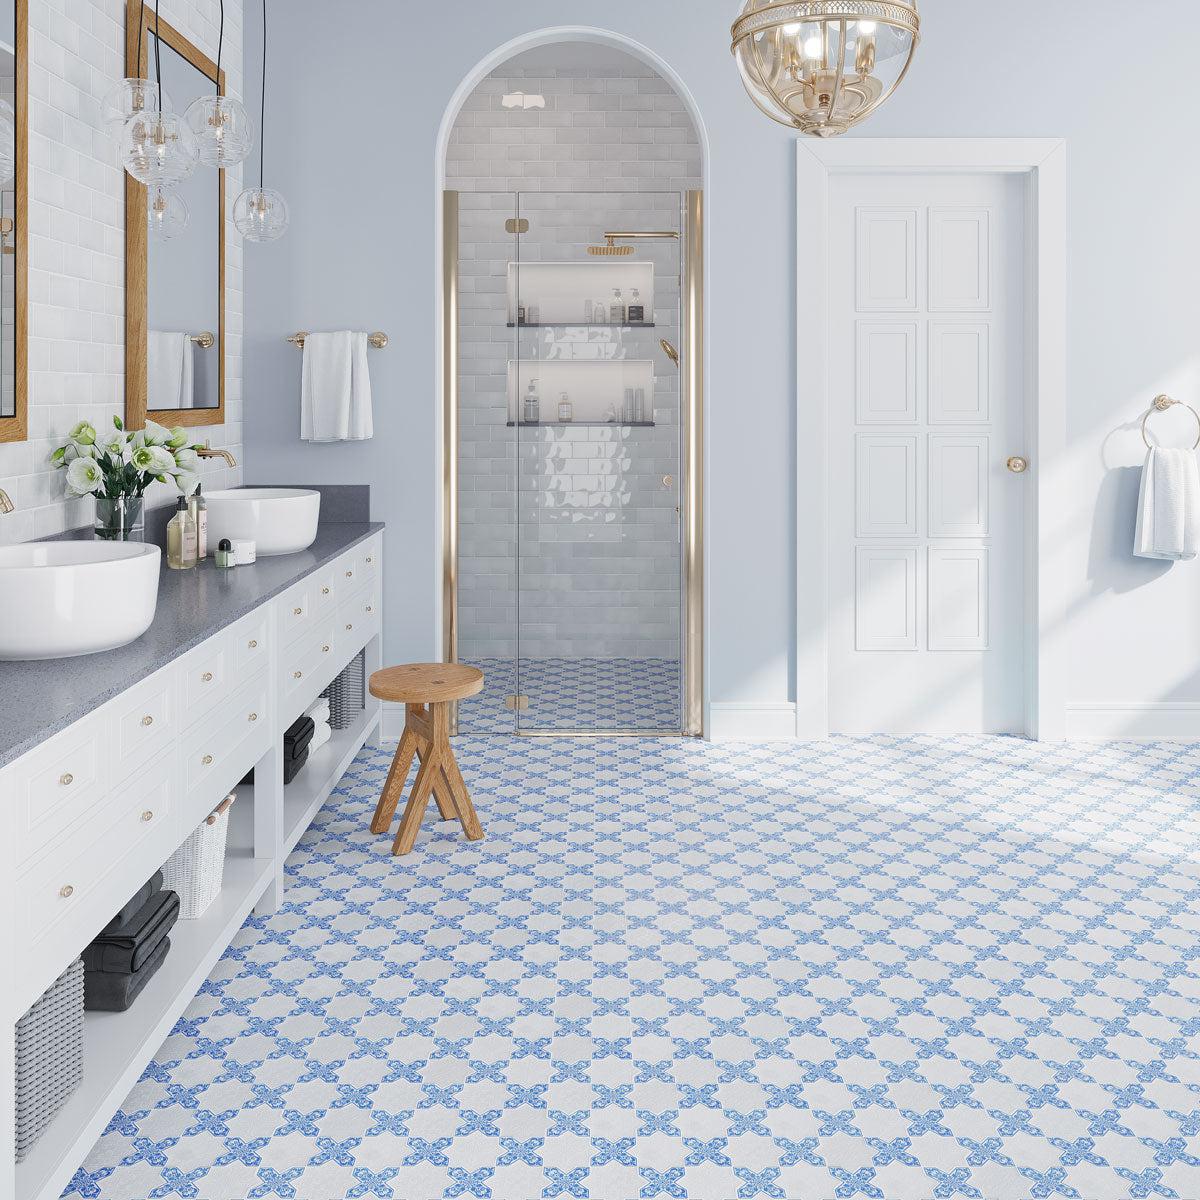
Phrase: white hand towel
x=319 y=711
x=320 y=736
x=335 y=388
x=1168 y=518
x=170 y=370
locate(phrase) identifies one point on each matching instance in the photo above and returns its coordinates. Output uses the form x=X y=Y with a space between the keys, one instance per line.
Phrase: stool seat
x=426 y=690
x=426 y=683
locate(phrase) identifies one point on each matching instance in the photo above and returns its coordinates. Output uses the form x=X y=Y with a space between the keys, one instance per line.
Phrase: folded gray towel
x=106 y=991
x=135 y=902
x=129 y=946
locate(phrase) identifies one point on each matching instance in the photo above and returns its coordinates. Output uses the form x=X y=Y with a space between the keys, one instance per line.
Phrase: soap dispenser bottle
x=533 y=408
x=198 y=511
x=616 y=308
x=181 y=539
x=637 y=310
x=565 y=410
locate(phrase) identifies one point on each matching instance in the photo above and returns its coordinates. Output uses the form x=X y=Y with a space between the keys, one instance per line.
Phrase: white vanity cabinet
x=91 y=814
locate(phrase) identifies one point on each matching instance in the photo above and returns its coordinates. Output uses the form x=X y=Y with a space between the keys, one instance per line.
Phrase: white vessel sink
x=276 y=520
x=60 y=599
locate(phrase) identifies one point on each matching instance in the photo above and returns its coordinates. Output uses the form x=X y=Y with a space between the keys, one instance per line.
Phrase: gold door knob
x=67 y=779
x=147 y=720
x=1017 y=465
x=668 y=481
x=207 y=760
x=206 y=677
x=66 y=891
x=147 y=815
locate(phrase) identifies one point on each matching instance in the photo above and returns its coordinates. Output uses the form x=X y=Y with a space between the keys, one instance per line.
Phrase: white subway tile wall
x=592 y=522
x=77 y=251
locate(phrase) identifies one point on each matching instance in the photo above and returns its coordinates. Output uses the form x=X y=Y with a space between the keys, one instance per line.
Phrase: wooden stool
x=426 y=735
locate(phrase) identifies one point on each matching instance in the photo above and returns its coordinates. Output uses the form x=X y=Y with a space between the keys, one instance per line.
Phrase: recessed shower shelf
x=581 y=325
x=580 y=424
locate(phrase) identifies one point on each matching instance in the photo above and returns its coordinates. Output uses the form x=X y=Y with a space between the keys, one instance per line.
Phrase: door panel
x=927 y=372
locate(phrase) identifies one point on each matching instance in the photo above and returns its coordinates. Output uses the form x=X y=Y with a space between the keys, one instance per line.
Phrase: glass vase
x=120 y=519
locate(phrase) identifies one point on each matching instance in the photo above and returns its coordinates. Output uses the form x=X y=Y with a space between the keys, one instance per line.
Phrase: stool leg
x=397 y=774
x=462 y=797
x=414 y=810
x=423 y=725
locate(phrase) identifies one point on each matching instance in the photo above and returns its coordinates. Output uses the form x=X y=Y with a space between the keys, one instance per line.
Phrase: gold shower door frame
x=692 y=455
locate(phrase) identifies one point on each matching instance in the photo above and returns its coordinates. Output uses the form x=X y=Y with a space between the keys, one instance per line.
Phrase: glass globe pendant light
x=157 y=148
x=166 y=214
x=261 y=214
x=821 y=66
x=219 y=123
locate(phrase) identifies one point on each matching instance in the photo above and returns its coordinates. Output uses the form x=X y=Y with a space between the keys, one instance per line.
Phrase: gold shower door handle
x=1017 y=465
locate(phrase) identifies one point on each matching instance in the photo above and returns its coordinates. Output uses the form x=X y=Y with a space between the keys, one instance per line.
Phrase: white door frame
x=1043 y=162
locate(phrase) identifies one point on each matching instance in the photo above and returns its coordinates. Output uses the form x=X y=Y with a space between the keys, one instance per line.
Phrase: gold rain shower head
x=611 y=250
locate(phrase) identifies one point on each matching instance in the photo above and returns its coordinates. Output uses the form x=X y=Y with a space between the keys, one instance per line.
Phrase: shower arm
x=625 y=234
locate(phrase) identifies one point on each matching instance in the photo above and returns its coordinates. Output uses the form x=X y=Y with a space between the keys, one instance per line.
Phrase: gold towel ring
x=1161 y=404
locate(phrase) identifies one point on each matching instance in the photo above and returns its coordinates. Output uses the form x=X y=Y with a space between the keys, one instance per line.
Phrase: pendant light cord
x=157 y=60
x=220 y=48
x=137 y=66
x=262 y=109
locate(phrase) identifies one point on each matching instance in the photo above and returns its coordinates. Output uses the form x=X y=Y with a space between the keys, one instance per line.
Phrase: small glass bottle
x=181 y=539
x=533 y=408
x=198 y=511
x=600 y=313
x=564 y=408
x=225 y=554
x=616 y=308
x=627 y=407
x=637 y=310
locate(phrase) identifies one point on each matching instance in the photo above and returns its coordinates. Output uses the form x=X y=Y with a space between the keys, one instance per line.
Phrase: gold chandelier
x=823 y=65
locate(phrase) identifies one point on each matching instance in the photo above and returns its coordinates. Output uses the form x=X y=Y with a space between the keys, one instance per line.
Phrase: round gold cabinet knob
x=325 y=649
x=207 y=760
x=370 y=559
x=253 y=643
x=297 y=612
x=253 y=717
x=66 y=891
x=67 y=779
x=297 y=674
x=1017 y=465
x=147 y=720
x=349 y=627
x=349 y=574
x=147 y=815
x=206 y=677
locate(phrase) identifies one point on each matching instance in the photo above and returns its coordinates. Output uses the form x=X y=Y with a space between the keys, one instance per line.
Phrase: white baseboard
x=752 y=722
x=1169 y=721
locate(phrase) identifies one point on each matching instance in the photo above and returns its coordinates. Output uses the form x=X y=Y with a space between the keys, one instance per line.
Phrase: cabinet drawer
x=295 y=609
x=252 y=642
x=301 y=664
x=72 y=893
x=211 y=748
x=144 y=721
x=325 y=590
x=208 y=675
x=368 y=560
x=57 y=785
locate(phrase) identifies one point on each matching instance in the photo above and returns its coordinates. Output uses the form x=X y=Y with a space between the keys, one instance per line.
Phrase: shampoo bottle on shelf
x=564 y=408
x=616 y=308
x=533 y=408
x=181 y=539
x=637 y=310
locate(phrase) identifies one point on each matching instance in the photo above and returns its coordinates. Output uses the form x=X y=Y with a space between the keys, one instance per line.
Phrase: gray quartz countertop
x=40 y=698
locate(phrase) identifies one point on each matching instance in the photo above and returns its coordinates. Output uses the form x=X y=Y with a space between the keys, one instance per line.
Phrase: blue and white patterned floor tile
x=611 y=695
x=898 y=969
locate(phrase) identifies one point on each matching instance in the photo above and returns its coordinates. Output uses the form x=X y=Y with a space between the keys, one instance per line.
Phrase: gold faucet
x=206 y=451
x=6 y=505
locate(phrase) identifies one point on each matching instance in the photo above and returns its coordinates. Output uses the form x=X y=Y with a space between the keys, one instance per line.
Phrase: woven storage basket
x=196 y=870
x=49 y=1056
x=345 y=693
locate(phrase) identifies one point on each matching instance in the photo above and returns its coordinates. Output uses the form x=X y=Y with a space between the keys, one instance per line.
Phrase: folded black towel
x=297 y=728
x=132 y=905
x=293 y=746
x=108 y=991
x=131 y=945
x=291 y=766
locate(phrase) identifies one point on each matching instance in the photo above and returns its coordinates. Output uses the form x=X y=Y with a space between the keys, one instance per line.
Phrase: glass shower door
x=593 y=394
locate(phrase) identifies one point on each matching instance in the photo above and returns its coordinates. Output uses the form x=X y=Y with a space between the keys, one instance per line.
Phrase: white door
x=927 y=521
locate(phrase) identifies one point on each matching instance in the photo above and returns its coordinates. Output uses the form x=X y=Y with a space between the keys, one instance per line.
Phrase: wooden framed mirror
x=174 y=288
x=14 y=228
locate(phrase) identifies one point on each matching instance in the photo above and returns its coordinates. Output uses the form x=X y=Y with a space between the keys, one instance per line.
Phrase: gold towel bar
x=376 y=340
x=1161 y=404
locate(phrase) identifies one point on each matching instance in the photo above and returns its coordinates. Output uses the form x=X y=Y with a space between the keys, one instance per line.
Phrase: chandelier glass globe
x=157 y=148
x=260 y=214
x=221 y=128
x=129 y=98
x=821 y=66
x=166 y=214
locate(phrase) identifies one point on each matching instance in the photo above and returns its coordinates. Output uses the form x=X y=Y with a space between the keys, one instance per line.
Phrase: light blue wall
x=355 y=109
